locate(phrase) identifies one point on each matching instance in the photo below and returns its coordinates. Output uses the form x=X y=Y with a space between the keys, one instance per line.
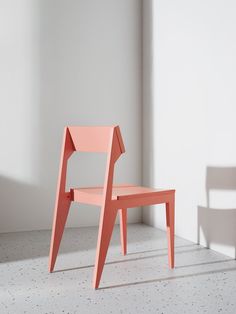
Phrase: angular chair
x=110 y=197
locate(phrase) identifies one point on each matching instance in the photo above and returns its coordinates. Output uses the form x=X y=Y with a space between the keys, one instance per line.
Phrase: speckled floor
x=202 y=282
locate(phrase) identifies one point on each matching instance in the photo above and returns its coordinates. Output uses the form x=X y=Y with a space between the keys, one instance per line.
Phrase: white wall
x=79 y=62
x=64 y=63
x=191 y=118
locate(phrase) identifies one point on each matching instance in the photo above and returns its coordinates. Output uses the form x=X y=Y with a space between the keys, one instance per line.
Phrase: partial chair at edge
x=111 y=198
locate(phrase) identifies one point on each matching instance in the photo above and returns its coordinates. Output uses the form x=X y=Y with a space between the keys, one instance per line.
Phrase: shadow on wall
x=218 y=224
x=19 y=202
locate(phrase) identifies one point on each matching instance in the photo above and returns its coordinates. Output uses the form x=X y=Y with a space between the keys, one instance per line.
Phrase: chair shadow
x=217 y=225
x=169 y=278
x=137 y=258
x=205 y=263
x=164 y=249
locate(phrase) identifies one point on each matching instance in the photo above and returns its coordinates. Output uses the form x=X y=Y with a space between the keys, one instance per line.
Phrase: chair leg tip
x=96 y=284
x=124 y=251
x=50 y=269
x=95 y=287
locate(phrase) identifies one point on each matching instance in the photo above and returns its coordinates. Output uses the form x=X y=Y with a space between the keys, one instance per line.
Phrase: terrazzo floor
x=140 y=282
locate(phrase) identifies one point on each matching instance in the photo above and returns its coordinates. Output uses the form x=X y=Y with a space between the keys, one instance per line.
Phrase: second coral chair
x=111 y=198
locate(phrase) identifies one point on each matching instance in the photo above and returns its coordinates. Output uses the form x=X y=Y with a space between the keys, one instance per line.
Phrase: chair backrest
x=106 y=139
x=95 y=138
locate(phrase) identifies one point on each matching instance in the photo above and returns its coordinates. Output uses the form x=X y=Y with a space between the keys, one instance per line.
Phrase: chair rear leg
x=170 y=222
x=106 y=225
x=123 y=229
x=60 y=216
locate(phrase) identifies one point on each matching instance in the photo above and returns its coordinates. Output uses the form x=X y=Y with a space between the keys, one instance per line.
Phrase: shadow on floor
x=170 y=278
x=138 y=258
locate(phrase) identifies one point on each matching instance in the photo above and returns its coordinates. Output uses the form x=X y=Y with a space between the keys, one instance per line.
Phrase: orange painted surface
x=111 y=198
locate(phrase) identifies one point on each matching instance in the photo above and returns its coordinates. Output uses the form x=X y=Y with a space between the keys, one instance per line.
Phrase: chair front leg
x=106 y=225
x=170 y=222
x=60 y=215
x=123 y=229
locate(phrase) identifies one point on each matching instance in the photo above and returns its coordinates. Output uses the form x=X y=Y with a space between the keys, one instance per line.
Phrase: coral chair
x=111 y=198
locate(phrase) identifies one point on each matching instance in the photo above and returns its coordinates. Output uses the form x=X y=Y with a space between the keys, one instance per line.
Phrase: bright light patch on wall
x=222 y=199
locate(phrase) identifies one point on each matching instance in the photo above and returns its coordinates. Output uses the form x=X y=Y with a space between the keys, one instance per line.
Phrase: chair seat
x=93 y=195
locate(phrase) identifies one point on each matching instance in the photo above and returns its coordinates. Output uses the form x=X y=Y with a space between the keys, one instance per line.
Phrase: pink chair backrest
x=91 y=139
x=95 y=138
